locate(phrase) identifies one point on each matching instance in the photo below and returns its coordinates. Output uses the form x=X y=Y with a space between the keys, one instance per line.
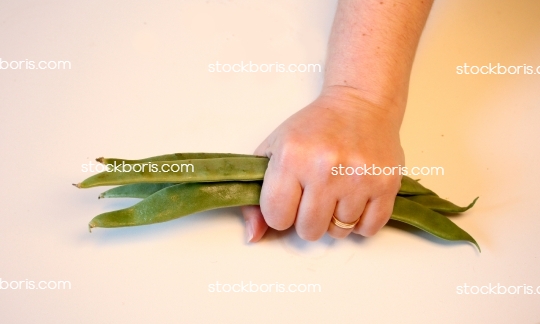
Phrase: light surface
x=139 y=86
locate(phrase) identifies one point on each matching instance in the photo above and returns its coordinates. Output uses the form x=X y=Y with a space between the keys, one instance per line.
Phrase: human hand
x=339 y=127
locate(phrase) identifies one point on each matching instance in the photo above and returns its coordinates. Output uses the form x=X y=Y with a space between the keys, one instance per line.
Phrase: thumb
x=255 y=224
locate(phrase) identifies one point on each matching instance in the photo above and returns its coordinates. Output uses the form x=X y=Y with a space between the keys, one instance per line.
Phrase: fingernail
x=249 y=231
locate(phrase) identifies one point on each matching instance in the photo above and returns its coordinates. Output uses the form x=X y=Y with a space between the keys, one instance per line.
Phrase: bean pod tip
x=476 y=244
x=472 y=204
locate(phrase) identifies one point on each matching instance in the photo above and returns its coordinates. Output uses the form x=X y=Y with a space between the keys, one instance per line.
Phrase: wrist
x=363 y=104
x=379 y=91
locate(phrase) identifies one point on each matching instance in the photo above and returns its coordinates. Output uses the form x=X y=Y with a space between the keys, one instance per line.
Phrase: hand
x=339 y=127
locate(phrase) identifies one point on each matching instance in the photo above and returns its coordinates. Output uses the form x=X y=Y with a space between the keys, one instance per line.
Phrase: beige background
x=139 y=87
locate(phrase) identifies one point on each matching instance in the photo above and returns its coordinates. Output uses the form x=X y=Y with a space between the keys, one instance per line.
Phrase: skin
x=355 y=120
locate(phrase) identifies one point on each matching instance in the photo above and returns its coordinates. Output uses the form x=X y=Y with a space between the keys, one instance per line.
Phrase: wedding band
x=340 y=224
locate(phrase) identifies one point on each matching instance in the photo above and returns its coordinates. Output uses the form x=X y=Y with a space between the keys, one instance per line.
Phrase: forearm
x=372 y=47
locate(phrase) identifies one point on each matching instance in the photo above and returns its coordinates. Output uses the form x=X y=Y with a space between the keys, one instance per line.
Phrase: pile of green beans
x=226 y=180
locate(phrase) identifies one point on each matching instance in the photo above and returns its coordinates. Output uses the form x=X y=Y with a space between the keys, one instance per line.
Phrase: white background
x=139 y=86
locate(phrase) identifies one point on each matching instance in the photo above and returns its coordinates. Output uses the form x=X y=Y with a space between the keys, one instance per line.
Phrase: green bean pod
x=173 y=157
x=440 y=205
x=181 y=200
x=411 y=187
x=198 y=170
x=187 y=198
x=209 y=169
x=421 y=217
x=135 y=190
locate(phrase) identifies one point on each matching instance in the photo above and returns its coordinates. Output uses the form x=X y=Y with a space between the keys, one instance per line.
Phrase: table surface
x=139 y=86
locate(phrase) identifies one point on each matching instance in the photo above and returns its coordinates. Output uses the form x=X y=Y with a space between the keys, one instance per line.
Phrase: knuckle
x=326 y=159
x=336 y=235
x=277 y=223
x=295 y=148
x=309 y=235
x=275 y=220
x=386 y=185
x=374 y=226
x=368 y=231
x=279 y=226
x=291 y=150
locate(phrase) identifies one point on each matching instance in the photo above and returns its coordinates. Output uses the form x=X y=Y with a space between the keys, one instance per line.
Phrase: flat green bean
x=204 y=170
x=414 y=214
x=187 y=198
x=181 y=200
x=440 y=205
x=135 y=190
x=410 y=187
x=210 y=168
x=173 y=157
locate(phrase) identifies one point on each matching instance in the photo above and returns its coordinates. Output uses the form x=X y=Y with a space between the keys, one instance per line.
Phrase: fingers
x=255 y=224
x=375 y=215
x=261 y=150
x=348 y=210
x=280 y=197
x=314 y=213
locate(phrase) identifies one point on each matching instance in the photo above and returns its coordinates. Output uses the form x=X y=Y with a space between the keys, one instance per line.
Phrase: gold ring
x=340 y=224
